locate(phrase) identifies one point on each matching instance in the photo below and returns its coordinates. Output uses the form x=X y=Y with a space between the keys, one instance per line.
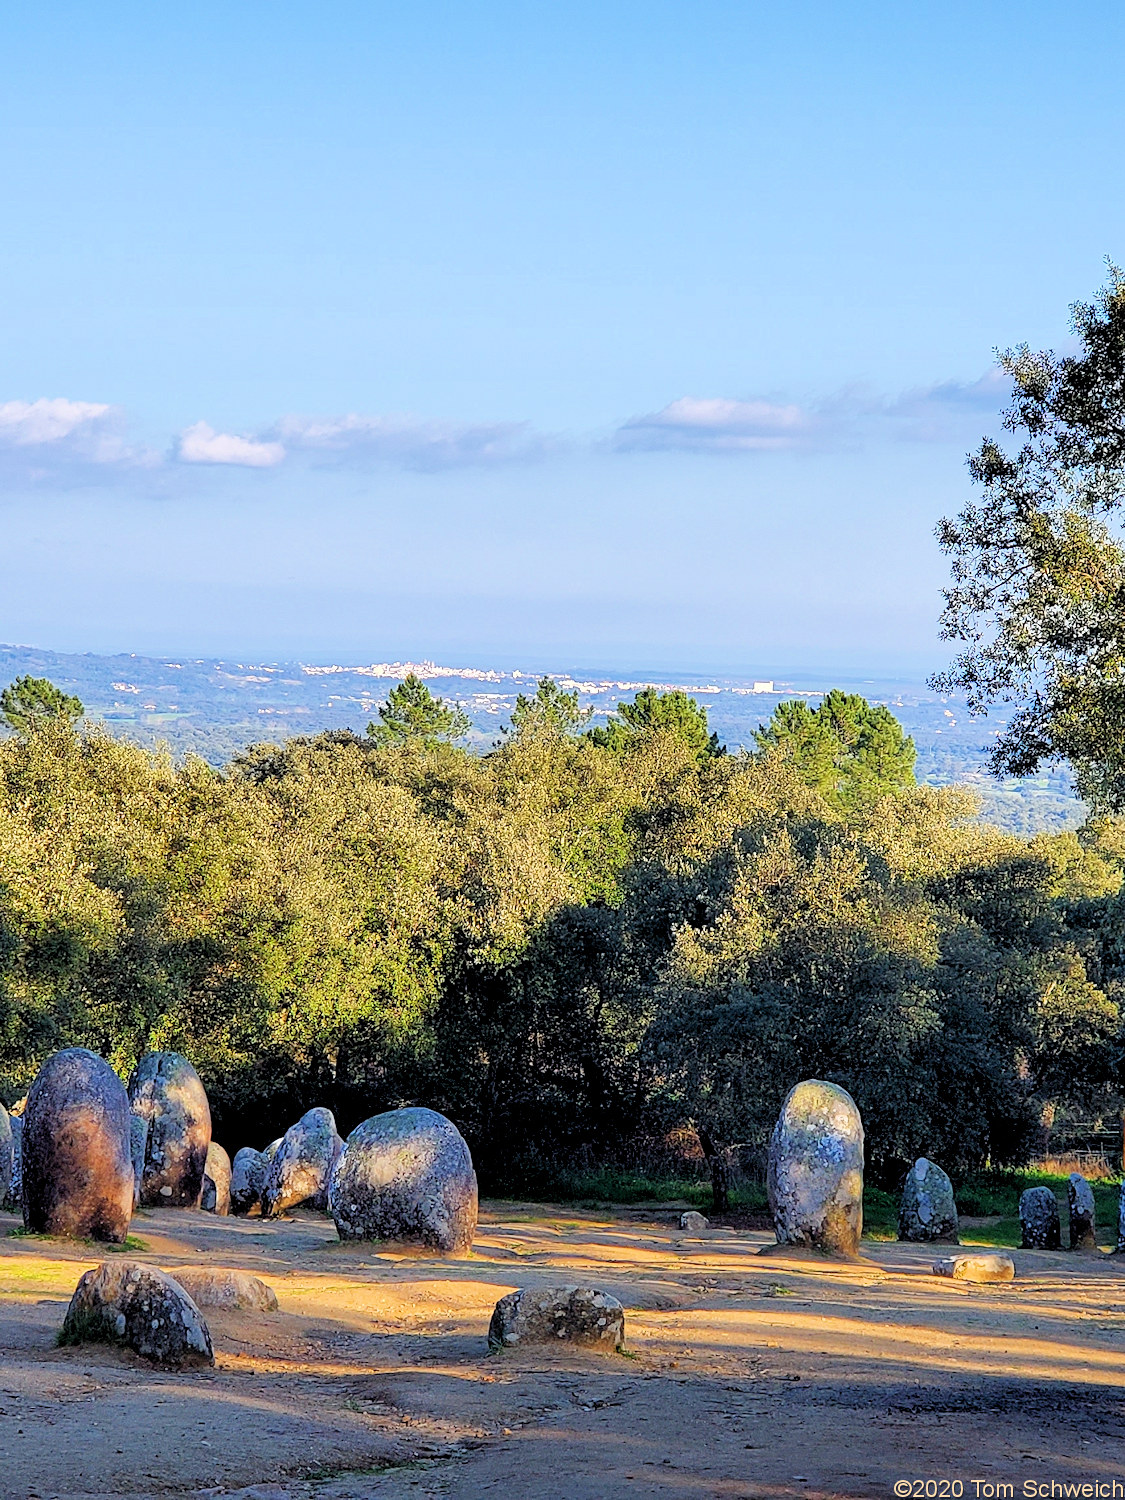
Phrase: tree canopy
x=1038 y=572
x=30 y=702
x=851 y=751
x=412 y=715
x=672 y=711
x=574 y=950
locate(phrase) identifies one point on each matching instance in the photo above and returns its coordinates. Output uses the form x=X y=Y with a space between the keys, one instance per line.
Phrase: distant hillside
x=216 y=708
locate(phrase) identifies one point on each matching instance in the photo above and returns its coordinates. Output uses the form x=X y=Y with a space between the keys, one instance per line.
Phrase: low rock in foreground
x=142 y=1308
x=976 y=1267
x=558 y=1314
x=235 y=1290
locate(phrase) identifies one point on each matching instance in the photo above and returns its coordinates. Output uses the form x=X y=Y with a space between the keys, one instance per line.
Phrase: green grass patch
x=87 y=1327
x=880 y=1214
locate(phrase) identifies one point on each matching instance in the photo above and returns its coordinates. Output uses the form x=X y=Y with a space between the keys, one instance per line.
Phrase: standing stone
x=1039 y=1219
x=141 y=1307
x=302 y=1165
x=1080 y=1197
x=815 y=1171
x=928 y=1211
x=406 y=1176
x=77 y=1172
x=247 y=1178
x=165 y=1090
x=138 y=1141
x=7 y=1160
x=15 y=1185
x=215 y=1197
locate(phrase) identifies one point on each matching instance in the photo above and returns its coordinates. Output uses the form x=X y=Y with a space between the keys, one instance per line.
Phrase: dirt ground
x=747 y=1374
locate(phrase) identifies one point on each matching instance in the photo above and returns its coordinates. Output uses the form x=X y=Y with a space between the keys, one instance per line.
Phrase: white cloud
x=717 y=424
x=409 y=440
x=952 y=411
x=26 y=424
x=201 y=444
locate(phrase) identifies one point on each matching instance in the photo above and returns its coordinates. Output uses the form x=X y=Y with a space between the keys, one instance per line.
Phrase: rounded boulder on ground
x=142 y=1308
x=301 y=1166
x=1039 y=1219
x=987 y=1267
x=1080 y=1200
x=928 y=1211
x=77 y=1174
x=166 y=1092
x=234 y=1290
x=406 y=1176
x=556 y=1315
x=815 y=1170
x=247 y=1178
x=215 y=1197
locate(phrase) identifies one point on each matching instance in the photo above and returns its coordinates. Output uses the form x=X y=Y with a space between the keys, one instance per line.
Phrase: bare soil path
x=748 y=1375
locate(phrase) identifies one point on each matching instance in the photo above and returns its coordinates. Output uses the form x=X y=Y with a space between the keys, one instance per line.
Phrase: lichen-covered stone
x=557 y=1315
x=7 y=1160
x=215 y=1197
x=694 y=1223
x=302 y=1165
x=928 y=1211
x=247 y=1178
x=986 y=1267
x=1039 y=1219
x=15 y=1182
x=77 y=1175
x=815 y=1170
x=406 y=1176
x=234 y=1290
x=142 y=1308
x=166 y=1091
x=1080 y=1199
x=138 y=1140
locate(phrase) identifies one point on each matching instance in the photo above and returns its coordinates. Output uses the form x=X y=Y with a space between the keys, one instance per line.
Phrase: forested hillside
x=576 y=945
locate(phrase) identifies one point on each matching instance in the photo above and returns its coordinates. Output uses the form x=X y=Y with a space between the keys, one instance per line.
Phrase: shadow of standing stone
x=77 y=1170
x=1039 y=1219
x=815 y=1170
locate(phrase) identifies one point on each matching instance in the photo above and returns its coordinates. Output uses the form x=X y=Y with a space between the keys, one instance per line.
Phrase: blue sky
x=619 y=334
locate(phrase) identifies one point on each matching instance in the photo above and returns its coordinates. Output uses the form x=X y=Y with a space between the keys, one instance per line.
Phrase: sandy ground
x=747 y=1375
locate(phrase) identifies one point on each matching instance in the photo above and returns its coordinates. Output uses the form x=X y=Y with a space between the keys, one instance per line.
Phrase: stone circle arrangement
x=83 y=1151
